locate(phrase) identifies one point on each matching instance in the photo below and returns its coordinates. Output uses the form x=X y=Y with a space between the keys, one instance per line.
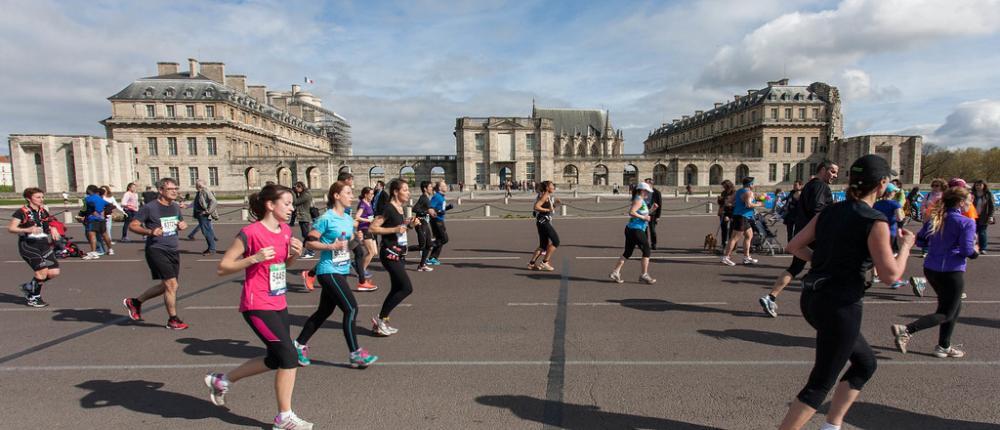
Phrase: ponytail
x=270 y=193
x=952 y=198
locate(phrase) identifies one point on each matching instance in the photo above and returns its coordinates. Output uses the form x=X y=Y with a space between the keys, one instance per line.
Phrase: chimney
x=295 y=89
x=685 y=117
x=736 y=98
x=751 y=92
x=272 y=97
x=278 y=100
x=237 y=82
x=675 y=121
x=259 y=93
x=698 y=112
x=193 y=65
x=718 y=105
x=163 y=68
x=215 y=71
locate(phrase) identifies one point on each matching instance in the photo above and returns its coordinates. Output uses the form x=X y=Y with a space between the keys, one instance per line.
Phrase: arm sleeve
x=211 y=201
x=967 y=239
x=921 y=239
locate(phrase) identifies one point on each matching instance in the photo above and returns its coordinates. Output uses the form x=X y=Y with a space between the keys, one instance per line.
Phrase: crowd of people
x=842 y=242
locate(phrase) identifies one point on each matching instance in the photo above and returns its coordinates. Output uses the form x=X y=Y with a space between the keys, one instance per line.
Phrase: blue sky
x=401 y=72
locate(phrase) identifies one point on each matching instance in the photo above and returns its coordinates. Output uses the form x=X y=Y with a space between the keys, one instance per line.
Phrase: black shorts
x=367 y=234
x=163 y=264
x=272 y=327
x=98 y=227
x=741 y=223
x=546 y=235
x=38 y=254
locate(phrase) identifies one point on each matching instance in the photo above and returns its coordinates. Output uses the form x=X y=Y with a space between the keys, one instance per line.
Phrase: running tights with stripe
x=425 y=241
x=272 y=328
x=948 y=286
x=401 y=286
x=838 y=340
x=335 y=293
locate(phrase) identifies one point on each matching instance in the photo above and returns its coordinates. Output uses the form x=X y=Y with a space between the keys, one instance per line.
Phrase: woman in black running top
x=421 y=210
x=847 y=239
x=548 y=240
x=392 y=226
x=34 y=236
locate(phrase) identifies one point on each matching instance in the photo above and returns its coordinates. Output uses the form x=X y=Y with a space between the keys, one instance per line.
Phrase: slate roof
x=575 y=120
x=174 y=87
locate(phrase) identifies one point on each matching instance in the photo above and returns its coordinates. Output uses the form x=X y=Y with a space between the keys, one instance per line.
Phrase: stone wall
x=69 y=163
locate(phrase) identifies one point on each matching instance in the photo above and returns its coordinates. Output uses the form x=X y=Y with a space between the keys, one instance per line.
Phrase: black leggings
x=546 y=235
x=948 y=286
x=633 y=238
x=304 y=227
x=359 y=258
x=797 y=266
x=440 y=237
x=400 y=282
x=838 y=340
x=335 y=293
x=652 y=230
x=723 y=231
x=425 y=240
x=272 y=328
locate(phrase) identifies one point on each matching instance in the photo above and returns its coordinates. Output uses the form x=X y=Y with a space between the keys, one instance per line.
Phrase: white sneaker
x=425 y=269
x=217 y=386
x=111 y=252
x=291 y=422
x=749 y=260
x=727 y=261
x=647 y=279
x=617 y=277
x=381 y=327
x=950 y=352
x=91 y=256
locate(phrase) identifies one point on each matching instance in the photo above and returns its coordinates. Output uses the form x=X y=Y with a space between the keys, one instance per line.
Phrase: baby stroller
x=64 y=247
x=764 y=239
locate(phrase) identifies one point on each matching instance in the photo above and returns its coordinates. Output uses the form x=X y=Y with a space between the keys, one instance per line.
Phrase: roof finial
x=533 y=108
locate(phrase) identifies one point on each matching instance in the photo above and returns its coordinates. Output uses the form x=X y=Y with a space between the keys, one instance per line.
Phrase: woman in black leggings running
x=392 y=252
x=421 y=210
x=548 y=239
x=950 y=238
x=848 y=237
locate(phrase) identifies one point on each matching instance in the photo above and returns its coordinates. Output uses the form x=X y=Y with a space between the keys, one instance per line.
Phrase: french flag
x=308 y=81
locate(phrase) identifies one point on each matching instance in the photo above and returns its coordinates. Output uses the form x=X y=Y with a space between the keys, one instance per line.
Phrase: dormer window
x=148 y=92
x=189 y=93
x=209 y=93
x=169 y=92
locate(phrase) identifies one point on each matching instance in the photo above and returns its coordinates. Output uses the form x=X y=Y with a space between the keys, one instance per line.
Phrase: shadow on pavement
x=96 y=316
x=581 y=417
x=146 y=397
x=761 y=337
x=872 y=416
x=657 y=305
x=497 y=251
x=10 y=298
x=977 y=321
x=224 y=347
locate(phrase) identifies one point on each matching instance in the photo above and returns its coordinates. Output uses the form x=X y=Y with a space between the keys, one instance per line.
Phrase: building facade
x=6 y=171
x=205 y=124
x=69 y=163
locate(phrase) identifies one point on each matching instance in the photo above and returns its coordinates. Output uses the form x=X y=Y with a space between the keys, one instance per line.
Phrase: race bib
x=401 y=239
x=169 y=225
x=277 y=275
x=341 y=257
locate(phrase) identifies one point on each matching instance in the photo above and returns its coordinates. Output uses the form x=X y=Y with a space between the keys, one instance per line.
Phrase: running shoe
x=727 y=261
x=919 y=284
x=111 y=252
x=875 y=280
x=307 y=280
x=617 y=277
x=425 y=268
x=368 y=275
x=433 y=262
x=291 y=422
x=91 y=256
x=532 y=266
x=749 y=260
x=28 y=290
x=217 y=388
x=964 y=296
x=770 y=306
x=176 y=324
x=982 y=252
x=362 y=359
x=902 y=337
x=647 y=279
x=381 y=327
x=303 y=353
x=923 y=253
x=100 y=253
x=308 y=255
x=545 y=267
x=368 y=285
x=133 y=308
x=949 y=352
x=898 y=284
x=36 y=302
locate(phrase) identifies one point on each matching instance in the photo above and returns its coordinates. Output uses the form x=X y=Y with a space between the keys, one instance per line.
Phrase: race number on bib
x=341 y=257
x=401 y=239
x=169 y=225
x=277 y=276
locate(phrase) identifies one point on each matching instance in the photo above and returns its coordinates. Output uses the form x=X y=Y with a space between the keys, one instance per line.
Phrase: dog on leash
x=710 y=242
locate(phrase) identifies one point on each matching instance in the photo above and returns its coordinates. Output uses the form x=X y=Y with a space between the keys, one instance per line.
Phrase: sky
x=402 y=72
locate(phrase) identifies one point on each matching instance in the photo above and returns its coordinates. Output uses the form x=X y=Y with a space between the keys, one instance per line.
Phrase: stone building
x=204 y=123
x=491 y=151
x=6 y=171
x=69 y=163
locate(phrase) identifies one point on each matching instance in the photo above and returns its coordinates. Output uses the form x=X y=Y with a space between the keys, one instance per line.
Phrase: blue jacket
x=438 y=204
x=951 y=245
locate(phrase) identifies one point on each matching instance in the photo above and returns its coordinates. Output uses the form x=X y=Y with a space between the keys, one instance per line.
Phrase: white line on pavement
x=213 y=308
x=636 y=303
x=480 y=258
x=81 y=261
x=678 y=363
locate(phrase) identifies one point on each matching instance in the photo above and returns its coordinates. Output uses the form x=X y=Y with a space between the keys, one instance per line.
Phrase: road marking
x=511 y=363
x=81 y=261
x=638 y=303
x=928 y=302
x=442 y=258
x=213 y=308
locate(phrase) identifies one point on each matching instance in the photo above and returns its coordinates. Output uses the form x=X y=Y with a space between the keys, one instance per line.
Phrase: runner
x=655 y=202
x=363 y=218
x=986 y=206
x=356 y=246
x=938 y=185
x=392 y=252
x=950 y=238
x=96 y=224
x=263 y=250
x=813 y=197
x=439 y=205
x=743 y=210
x=110 y=199
x=31 y=225
x=635 y=234
x=893 y=211
x=161 y=222
x=303 y=212
x=725 y=211
x=548 y=239
x=848 y=236
x=421 y=210
x=130 y=202
x=330 y=235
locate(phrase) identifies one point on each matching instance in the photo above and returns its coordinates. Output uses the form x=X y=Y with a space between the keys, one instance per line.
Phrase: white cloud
x=820 y=45
x=971 y=124
x=856 y=84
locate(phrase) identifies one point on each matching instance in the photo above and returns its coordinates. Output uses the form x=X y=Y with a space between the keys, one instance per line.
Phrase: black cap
x=869 y=170
x=747 y=180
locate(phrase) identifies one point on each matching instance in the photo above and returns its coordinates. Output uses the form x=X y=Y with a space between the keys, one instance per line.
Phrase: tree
x=968 y=163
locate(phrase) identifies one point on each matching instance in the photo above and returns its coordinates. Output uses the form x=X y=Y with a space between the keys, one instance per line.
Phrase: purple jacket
x=950 y=246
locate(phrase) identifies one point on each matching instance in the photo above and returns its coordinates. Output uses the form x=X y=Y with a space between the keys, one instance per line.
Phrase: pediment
x=507 y=123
